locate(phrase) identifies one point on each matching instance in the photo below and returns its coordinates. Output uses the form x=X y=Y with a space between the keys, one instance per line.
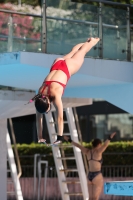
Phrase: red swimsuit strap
x=48 y=83
x=63 y=85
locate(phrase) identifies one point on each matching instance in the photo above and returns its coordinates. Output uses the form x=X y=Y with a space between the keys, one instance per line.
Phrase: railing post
x=10 y=34
x=44 y=39
x=100 y=30
x=18 y=164
x=128 y=35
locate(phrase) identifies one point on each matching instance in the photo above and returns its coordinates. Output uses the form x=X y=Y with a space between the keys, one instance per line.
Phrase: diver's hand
x=42 y=141
x=112 y=135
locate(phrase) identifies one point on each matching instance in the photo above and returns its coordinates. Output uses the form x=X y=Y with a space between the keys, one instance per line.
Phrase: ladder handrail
x=77 y=158
x=61 y=150
x=13 y=169
x=57 y=153
x=80 y=138
x=15 y=148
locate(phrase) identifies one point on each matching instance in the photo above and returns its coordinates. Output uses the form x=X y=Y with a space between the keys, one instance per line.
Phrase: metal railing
x=127 y=47
x=111 y=173
x=109 y=3
x=11 y=26
x=43 y=35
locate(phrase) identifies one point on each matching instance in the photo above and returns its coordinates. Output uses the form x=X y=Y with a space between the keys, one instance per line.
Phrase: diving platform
x=121 y=188
x=97 y=78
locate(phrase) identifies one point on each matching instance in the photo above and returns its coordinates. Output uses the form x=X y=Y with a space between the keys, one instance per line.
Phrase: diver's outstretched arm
x=39 y=126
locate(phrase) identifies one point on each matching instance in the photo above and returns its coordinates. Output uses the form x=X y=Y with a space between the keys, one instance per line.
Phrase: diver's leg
x=75 y=63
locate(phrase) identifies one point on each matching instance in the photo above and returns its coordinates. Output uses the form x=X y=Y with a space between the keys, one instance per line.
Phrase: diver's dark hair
x=96 y=142
x=41 y=102
x=41 y=105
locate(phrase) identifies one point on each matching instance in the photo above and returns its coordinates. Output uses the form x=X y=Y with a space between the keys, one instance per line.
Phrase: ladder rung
x=12 y=193
x=65 y=122
x=64 y=146
x=71 y=182
x=66 y=134
x=10 y=182
x=68 y=170
x=74 y=194
x=63 y=134
x=66 y=158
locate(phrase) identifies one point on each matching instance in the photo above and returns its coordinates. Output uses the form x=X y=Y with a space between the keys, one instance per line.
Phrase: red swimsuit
x=59 y=65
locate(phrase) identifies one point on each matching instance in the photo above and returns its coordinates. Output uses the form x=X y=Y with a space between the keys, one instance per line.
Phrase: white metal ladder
x=13 y=170
x=60 y=167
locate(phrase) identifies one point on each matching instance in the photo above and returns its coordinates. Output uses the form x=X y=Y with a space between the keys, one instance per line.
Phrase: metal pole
x=19 y=3
x=100 y=31
x=35 y=163
x=39 y=179
x=37 y=158
x=44 y=41
x=80 y=138
x=128 y=36
x=15 y=148
x=10 y=34
x=45 y=177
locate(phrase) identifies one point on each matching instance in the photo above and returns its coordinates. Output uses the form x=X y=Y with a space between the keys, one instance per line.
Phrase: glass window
x=104 y=125
x=114 y=33
x=69 y=24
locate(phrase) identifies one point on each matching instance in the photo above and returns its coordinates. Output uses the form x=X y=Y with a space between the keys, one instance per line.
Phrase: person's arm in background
x=83 y=149
x=106 y=143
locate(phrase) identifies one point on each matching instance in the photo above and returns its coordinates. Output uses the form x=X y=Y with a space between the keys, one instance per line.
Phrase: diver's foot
x=94 y=41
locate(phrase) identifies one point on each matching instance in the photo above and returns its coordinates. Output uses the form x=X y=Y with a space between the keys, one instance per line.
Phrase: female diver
x=94 y=156
x=55 y=83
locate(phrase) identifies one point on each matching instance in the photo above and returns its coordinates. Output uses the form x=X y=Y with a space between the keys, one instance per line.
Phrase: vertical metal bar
x=44 y=31
x=19 y=3
x=80 y=139
x=45 y=178
x=10 y=34
x=100 y=30
x=90 y=29
x=128 y=35
x=39 y=179
x=3 y=160
x=15 y=148
x=17 y=186
x=35 y=166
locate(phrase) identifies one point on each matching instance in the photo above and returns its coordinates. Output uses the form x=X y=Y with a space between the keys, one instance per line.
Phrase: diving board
x=97 y=78
x=121 y=188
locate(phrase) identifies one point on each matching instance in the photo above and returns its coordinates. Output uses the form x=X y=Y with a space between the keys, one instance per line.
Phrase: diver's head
x=96 y=143
x=43 y=104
